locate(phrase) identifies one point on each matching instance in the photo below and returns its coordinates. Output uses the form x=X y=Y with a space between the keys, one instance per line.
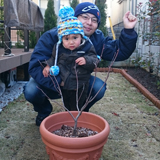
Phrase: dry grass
x=133 y=119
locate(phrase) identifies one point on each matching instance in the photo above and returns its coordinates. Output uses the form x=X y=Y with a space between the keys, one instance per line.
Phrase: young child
x=73 y=57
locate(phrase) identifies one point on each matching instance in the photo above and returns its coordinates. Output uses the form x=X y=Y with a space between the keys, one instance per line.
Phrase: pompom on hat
x=87 y=7
x=68 y=23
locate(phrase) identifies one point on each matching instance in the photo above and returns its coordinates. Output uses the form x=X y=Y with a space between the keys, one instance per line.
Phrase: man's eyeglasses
x=87 y=18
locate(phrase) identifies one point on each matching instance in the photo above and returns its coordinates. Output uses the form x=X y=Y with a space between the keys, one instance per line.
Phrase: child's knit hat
x=68 y=23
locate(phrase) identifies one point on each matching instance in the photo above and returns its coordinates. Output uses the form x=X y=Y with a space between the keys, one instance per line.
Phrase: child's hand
x=46 y=71
x=80 y=61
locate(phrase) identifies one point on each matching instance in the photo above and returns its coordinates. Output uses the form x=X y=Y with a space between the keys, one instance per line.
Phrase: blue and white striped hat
x=68 y=23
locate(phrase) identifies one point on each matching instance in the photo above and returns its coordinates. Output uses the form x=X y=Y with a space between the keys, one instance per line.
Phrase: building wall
x=117 y=10
x=64 y=3
x=92 y=1
x=36 y=1
x=57 y=4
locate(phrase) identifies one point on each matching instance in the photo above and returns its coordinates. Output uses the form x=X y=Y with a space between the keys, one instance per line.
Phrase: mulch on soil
x=67 y=131
x=148 y=80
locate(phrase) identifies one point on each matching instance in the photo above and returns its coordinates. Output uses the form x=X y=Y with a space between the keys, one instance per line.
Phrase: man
x=89 y=15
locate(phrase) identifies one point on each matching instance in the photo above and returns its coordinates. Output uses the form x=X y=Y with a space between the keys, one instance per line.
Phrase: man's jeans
x=43 y=106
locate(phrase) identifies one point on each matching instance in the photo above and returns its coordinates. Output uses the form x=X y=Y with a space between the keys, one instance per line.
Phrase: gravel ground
x=11 y=93
x=133 y=119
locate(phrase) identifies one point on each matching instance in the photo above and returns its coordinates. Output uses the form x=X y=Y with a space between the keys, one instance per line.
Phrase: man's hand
x=80 y=61
x=129 y=20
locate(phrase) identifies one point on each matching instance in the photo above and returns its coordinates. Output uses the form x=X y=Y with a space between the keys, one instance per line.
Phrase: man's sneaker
x=39 y=120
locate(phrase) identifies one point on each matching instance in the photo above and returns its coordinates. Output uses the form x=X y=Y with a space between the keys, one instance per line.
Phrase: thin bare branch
x=89 y=98
x=114 y=58
x=77 y=100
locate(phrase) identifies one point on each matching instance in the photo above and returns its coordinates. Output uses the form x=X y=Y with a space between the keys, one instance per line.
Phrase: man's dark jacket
x=43 y=50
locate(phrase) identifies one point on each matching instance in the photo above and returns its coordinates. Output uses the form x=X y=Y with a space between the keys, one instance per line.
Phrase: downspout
x=135 y=7
x=132 y=6
x=111 y=28
x=39 y=3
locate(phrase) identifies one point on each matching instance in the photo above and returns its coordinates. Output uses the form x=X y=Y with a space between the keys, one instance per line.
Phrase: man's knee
x=101 y=91
x=99 y=88
x=31 y=92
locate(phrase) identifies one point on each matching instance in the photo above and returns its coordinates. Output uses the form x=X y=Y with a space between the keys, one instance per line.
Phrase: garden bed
x=149 y=81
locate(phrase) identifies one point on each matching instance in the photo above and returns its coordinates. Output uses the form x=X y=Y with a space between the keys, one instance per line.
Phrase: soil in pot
x=66 y=131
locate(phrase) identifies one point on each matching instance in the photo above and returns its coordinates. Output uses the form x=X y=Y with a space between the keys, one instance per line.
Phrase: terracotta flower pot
x=65 y=148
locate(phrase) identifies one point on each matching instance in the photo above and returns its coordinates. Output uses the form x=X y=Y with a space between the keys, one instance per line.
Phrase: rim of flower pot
x=90 y=141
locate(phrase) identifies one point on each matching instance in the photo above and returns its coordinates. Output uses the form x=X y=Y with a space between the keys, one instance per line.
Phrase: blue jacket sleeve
x=42 y=52
x=126 y=44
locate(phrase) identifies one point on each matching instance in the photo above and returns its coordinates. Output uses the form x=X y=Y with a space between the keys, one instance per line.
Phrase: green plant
x=20 y=34
x=50 y=18
x=158 y=84
x=101 y=4
x=148 y=15
x=103 y=63
x=136 y=61
x=32 y=39
x=19 y=44
x=73 y=3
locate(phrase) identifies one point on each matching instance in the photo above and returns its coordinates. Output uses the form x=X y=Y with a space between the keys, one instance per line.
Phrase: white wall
x=64 y=3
